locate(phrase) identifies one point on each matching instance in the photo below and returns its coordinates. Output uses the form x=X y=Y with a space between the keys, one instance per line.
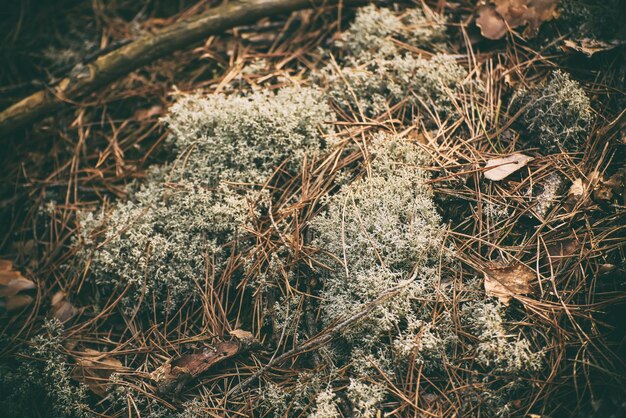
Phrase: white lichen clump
x=380 y=233
x=498 y=349
x=376 y=233
x=549 y=194
x=373 y=88
x=246 y=138
x=557 y=115
x=374 y=30
x=377 y=74
x=40 y=382
x=176 y=232
x=326 y=405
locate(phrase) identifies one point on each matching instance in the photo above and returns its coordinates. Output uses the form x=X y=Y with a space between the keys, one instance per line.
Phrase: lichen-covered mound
x=556 y=115
x=179 y=228
x=379 y=234
x=309 y=220
x=378 y=73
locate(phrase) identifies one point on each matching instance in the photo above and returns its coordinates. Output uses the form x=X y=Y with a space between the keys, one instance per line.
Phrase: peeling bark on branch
x=134 y=55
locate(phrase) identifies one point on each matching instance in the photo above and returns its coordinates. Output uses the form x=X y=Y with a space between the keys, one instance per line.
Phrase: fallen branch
x=134 y=55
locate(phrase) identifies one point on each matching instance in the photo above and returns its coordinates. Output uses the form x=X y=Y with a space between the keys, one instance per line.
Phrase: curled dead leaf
x=93 y=368
x=492 y=25
x=576 y=194
x=245 y=338
x=507 y=281
x=500 y=168
x=590 y=47
x=14 y=287
x=173 y=376
x=62 y=309
x=613 y=187
x=145 y=114
x=497 y=16
x=18 y=302
x=563 y=248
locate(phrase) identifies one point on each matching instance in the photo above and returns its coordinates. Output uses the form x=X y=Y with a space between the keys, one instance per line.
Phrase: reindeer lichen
x=372 y=88
x=374 y=29
x=556 y=114
x=245 y=138
x=177 y=229
x=377 y=74
x=41 y=384
x=499 y=349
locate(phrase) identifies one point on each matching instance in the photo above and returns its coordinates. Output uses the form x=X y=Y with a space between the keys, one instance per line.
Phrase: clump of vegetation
x=372 y=33
x=41 y=383
x=178 y=229
x=382 y=233
x=245 y=138
x=376 y=233
x=376 y=75
x=160 y=246
x=341 y=266
x=326 y=405
x=497 y=349
x=373 y=88
x=557 y=114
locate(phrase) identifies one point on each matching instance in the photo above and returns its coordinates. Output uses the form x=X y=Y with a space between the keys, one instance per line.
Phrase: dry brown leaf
x=145 y=114
x=93 y=368
x=563 y=248
x=505 y=282
x=18 y=302
x=173 y=376
x=503 y=167
x=12 y=287
x=62 y=309
x=492 y=25
x=589 y=46
x=497 y=16
x=241 y=334
x=577 y=189
x=614 y=186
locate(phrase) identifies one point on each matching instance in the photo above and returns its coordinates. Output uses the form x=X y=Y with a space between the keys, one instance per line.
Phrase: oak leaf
x=93 y=368
x=62 y=309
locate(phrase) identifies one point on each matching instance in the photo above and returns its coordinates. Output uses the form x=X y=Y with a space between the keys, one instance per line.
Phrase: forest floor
x=413 y=209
